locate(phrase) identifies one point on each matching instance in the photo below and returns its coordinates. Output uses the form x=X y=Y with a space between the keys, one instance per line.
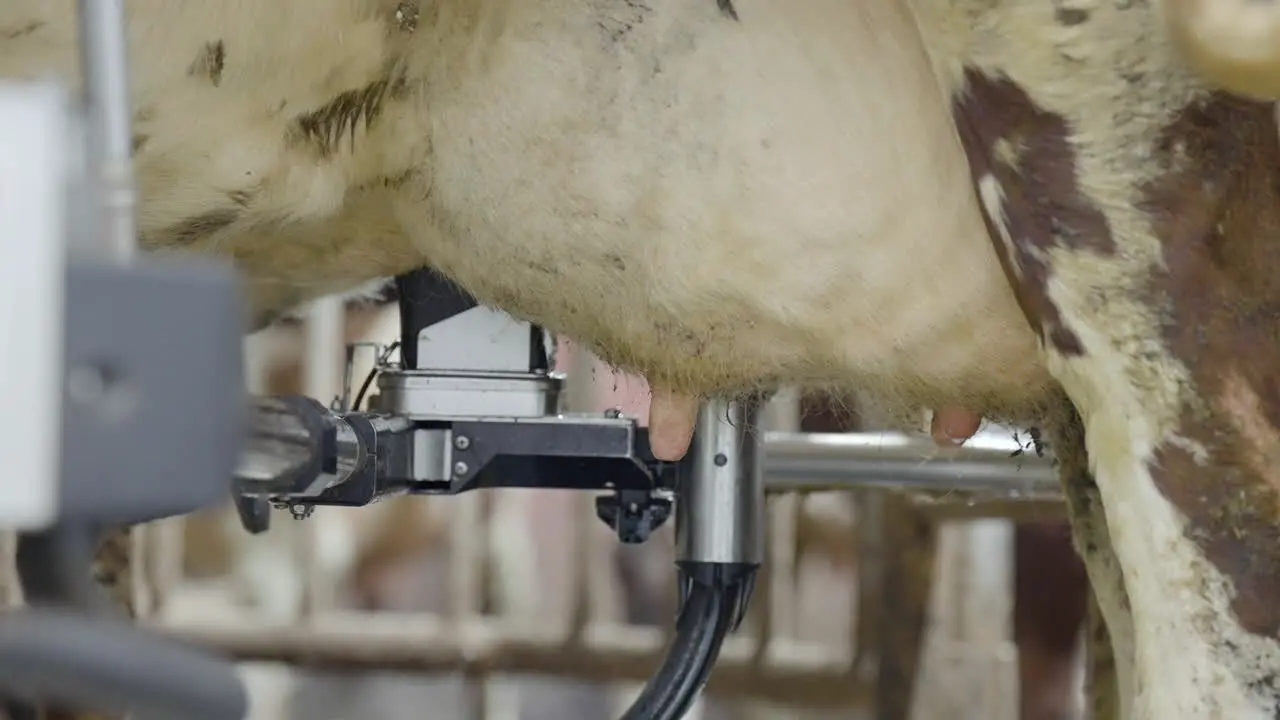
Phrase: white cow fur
x=715 y=205
x=692 y=178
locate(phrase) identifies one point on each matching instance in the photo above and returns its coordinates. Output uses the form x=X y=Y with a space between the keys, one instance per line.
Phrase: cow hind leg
x=1191 y=655
x=1110 y=642
x=1102 y=689
x=1139 y=234
x=1169 y=532
x=1190 y=521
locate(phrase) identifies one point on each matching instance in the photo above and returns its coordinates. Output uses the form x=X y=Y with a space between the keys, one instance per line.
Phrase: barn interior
x=451 y=513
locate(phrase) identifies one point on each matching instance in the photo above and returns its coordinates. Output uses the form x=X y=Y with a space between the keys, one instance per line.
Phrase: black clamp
x=633 y=514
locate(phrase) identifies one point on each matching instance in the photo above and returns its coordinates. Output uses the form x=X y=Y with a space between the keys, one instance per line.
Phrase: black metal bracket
x=426 y=297
x=633 y=515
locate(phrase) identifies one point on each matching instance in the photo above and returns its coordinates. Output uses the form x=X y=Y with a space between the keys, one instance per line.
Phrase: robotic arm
x=473 y=404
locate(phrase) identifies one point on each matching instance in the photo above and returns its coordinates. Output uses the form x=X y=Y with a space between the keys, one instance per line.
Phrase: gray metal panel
x=155 y=391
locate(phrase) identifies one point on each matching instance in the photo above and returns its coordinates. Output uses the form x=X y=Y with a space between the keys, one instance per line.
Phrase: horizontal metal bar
x=987 y=467
x=790 y=672
x=1037 y=510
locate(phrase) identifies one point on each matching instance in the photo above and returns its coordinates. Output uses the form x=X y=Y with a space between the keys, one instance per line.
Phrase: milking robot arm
x=473 y=404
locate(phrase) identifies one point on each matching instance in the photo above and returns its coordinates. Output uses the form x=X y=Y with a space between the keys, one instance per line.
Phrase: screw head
x=462 y=442
x=460 y=468
x=102 y=390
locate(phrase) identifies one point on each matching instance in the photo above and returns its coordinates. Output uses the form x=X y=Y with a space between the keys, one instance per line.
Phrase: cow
x=1044 y=211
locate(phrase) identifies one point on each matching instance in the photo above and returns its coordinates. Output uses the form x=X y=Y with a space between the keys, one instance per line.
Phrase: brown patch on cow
x=325 y=127
x=1092 y=540
x=20 y=31
x=1216 y=210
x=1063 y=14
x=1025 y=149
x=615 y=260
x=1243 y=409
x=393 y=182
x=406 y=16
x=195 y=228
x=210 y=62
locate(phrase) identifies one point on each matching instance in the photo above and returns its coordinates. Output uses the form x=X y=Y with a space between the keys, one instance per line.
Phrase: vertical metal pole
x=322 y=368
x=110 y=228
x=104 y=66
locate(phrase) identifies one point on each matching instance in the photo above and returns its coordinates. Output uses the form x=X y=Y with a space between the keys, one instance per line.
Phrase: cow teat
x=671 y=420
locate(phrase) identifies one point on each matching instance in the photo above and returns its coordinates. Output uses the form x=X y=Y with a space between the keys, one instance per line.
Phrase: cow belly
x=719 y=205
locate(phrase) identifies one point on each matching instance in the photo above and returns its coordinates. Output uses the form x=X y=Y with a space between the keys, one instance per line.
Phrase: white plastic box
x=34 y=154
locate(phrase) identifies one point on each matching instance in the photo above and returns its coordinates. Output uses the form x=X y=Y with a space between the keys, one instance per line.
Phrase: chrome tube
x=284 y=454
x=987 y=466
x=104 y=62
x=720 y=507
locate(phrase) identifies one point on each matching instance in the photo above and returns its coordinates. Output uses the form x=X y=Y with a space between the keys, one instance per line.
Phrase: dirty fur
x=702 y=302
x=722 y=207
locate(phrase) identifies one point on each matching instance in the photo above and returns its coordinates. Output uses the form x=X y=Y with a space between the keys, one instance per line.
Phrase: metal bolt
x=613 y=413
x=87 y=384
x=721 y=460
x=102 y=390
x=460 y=468
x=462 y=442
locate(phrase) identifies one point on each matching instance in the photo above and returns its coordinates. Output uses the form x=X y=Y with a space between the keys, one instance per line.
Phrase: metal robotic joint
x=472 y=403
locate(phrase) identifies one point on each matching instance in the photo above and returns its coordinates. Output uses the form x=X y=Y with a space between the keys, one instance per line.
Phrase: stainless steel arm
x=720 y=505
x=296 y=448
x=985 y=466
x=285 y=437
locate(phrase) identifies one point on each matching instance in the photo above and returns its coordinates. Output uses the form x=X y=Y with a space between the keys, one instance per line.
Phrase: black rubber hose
x=69 y=649
x=704 y=621
x=111 y=664
x=53 y=570
x=53 y=566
